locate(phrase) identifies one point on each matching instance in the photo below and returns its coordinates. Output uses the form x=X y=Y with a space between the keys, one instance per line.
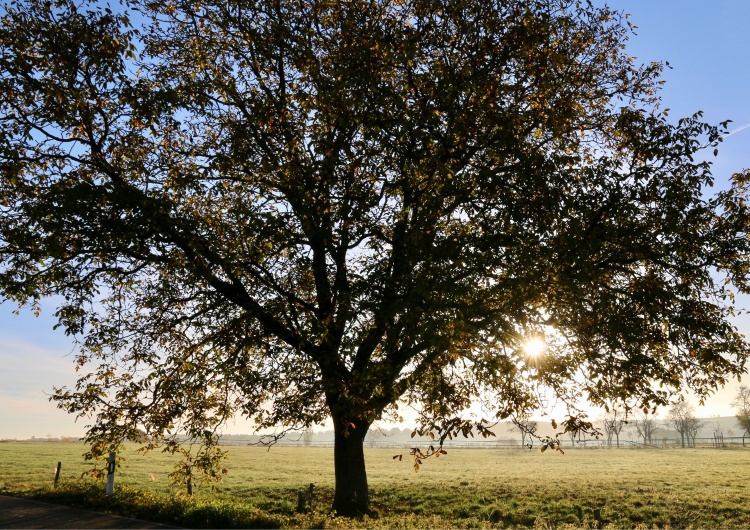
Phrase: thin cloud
x=30 y=370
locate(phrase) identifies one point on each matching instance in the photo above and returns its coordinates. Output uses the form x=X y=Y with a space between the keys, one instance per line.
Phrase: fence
x=505 y=444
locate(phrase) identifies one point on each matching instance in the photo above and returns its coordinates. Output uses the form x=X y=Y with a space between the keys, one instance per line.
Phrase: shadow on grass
x=158 y=508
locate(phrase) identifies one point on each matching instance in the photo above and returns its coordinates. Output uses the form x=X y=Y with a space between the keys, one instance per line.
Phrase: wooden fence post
x=57 y=472
x=111 y=473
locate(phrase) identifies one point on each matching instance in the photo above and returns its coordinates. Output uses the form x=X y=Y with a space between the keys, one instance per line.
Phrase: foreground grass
x=665 y=488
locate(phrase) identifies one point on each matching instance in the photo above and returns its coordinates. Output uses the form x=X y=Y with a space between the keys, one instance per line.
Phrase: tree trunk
x=352 y=498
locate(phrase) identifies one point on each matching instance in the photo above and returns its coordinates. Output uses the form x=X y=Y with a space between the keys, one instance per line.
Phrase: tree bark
x=352 y=497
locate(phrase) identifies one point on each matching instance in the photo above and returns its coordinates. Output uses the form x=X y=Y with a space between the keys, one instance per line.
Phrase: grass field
x=641 y=488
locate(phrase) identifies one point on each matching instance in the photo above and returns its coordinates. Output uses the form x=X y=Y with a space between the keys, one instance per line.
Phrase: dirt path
x=24 y=513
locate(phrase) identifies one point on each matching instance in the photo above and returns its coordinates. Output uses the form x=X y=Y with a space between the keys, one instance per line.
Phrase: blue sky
x=706 y=43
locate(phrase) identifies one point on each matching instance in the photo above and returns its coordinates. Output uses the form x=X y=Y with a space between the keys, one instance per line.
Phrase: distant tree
x=300 y=211
x=307 y=436
x=527 y=429
x=718 y=432
x=374 y=435
x=692 y=427
x=742 y=403
x=574 y=437
x=645 y=426
x=681 y=417
x=613 y=422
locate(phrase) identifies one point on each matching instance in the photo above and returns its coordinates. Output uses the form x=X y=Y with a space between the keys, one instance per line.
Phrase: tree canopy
x=299 y=210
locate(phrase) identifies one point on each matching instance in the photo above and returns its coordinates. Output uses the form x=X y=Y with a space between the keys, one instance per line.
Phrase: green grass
x=630 y=488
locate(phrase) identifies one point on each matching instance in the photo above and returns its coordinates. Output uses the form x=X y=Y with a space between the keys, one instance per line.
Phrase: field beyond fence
x=515 y=444
x=639 y=488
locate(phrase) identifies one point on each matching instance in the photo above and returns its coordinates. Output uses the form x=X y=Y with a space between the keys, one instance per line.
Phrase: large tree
x=296 y=210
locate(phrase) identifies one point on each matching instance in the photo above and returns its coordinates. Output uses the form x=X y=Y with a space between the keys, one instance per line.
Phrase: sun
x=534 y=346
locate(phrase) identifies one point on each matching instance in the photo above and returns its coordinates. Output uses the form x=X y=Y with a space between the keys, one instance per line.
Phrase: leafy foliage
x=207 y=460
x=298 y=210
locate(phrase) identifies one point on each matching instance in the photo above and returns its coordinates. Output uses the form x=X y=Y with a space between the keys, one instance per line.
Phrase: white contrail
x=738 y=129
